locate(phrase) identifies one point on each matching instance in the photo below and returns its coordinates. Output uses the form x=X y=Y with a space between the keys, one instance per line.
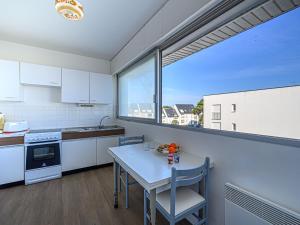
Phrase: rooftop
x=185 y=108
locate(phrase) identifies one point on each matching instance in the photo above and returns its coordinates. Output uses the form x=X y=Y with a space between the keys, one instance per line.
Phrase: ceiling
x=107 y=26
x=249 y=19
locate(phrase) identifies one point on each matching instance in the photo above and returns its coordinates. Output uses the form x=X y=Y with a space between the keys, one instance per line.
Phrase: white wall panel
x=269 y=170
x=169 y=19
x=25 y=53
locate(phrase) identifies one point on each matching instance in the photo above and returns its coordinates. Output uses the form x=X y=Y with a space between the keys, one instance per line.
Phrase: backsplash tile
x=46 y=112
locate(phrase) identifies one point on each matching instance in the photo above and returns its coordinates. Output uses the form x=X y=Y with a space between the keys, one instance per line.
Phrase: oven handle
x=42 y=142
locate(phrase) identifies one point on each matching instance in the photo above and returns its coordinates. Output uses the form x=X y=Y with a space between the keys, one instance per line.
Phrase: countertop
x=67 y=134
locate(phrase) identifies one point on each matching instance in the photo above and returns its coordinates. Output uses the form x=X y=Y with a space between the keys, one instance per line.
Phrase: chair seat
x=185 y=199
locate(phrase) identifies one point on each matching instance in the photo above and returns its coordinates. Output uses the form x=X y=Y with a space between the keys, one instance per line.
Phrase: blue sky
x=263 y=57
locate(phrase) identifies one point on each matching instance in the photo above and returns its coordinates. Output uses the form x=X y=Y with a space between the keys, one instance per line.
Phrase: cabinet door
x=101 y=88
x=10 y=88
x=79 y=153
x=103 y=144
x=11 y=164
x=75 y=86
x=40 y=75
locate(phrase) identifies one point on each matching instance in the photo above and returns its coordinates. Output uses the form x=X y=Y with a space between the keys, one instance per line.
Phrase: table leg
x=152 y=199
x=116 y=178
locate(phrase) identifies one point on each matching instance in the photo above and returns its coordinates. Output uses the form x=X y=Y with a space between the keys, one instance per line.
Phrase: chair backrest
x=131 y=140
x=187 y=178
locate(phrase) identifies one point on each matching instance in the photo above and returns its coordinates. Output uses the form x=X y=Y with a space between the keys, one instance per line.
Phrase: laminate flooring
x=84 y=198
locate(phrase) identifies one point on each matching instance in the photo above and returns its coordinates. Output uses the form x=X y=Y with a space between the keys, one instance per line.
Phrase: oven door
x=41 y=155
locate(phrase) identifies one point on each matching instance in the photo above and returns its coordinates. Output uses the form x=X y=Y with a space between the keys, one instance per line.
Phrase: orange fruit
x=172 y=149
x=173 y=145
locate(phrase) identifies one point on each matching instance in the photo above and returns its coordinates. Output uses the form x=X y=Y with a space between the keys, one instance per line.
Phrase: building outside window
x=233 y=108
x=238 y=63
x=216 y=125
x=216 y=112
x=233 y=126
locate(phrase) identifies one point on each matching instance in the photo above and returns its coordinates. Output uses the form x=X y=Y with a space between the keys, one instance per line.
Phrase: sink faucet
x=103 y=118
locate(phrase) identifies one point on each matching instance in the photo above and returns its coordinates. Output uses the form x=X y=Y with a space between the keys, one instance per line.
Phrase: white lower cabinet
x=103 y=143
x=11 y=164
x=82 y=153
x=79 y=153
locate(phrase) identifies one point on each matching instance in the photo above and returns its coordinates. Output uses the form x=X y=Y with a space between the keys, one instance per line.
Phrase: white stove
x=42 y=155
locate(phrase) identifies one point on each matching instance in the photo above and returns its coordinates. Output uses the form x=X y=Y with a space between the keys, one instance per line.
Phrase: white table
x=149 y=168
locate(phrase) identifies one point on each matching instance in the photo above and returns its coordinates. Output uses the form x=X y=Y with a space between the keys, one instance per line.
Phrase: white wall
x=25 y=53
x=169 y=19
x=42 y=109
x=273 y=112
x=269 y=170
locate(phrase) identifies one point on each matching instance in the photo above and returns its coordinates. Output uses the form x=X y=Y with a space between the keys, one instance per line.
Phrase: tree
x=198 y=110
x=174 y=122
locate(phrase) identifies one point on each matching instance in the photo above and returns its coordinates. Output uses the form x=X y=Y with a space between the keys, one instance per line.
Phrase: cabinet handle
x=9 y=97
x=52 y=82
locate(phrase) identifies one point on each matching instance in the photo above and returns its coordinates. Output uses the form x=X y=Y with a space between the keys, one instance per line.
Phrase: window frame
x=130 y=66
x=158 y=93
x=219 y=117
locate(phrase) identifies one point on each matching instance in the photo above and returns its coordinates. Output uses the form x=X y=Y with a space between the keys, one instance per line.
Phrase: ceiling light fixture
x=69 y=9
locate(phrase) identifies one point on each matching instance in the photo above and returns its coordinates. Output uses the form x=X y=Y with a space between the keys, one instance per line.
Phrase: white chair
x=182 y=201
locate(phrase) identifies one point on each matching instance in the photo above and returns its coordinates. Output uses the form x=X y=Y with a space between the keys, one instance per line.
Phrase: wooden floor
x=80 y=199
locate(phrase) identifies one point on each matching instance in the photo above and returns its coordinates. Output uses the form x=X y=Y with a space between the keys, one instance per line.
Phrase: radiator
x=245 y=208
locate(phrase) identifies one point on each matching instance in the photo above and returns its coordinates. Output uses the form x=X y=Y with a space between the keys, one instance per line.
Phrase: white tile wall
x=42 y=109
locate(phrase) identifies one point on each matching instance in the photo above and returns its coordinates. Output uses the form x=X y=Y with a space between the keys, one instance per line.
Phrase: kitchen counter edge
x=66 y=135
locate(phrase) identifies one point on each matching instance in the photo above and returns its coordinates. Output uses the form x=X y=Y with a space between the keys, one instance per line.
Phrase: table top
x=149 y=167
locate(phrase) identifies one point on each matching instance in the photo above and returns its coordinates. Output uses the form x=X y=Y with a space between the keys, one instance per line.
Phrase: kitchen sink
x=98 y=128
x=109 y=127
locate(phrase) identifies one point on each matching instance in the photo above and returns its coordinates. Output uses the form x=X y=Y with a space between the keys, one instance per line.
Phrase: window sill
x=233 y=134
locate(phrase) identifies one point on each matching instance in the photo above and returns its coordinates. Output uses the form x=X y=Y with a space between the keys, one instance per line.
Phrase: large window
x=137 y=90
x=242 y=75
x=249 y=82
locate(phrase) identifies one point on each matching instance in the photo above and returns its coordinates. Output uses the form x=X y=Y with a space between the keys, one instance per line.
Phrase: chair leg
x=120 y=181
x=206 y=215
x=172 y=222
x=145 y=208
x=126 y=189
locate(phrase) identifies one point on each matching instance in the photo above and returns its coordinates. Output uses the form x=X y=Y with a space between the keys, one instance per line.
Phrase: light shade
x=69 y=9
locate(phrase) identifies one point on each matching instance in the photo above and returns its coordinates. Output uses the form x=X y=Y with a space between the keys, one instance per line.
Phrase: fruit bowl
x=166 y=148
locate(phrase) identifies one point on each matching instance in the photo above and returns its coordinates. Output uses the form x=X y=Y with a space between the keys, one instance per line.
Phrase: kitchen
x=102 y=116
x=26 y=81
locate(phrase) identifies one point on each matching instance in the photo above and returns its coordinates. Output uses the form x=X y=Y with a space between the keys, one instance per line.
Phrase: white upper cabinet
x=40 y=75
x=75 y=86
x=10 y=88
x=101 y=88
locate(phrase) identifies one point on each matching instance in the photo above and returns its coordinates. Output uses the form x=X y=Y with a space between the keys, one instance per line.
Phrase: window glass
x=256 y=72
x=136 y=90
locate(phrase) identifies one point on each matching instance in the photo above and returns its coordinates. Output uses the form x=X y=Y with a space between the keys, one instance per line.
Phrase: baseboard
x=22 y=182
x=13 y=184
x=85 y=169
